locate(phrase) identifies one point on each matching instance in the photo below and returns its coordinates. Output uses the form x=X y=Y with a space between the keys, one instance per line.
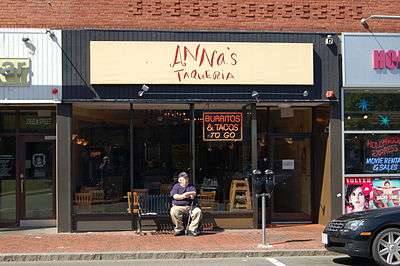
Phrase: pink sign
x=389 y=59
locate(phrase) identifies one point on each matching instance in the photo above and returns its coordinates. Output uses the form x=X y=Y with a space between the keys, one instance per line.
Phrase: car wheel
x=386 y=247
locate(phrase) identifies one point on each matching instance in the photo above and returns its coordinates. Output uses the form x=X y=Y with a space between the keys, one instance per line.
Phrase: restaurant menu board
x=365 y=193
x=382 y=155
x=7 y=163
x=222 y=126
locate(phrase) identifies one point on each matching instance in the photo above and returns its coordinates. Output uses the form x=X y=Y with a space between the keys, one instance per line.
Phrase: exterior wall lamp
x=143 y=90
x=363 y=21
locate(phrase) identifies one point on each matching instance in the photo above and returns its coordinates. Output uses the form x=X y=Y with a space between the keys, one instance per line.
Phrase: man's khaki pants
x=177 y=215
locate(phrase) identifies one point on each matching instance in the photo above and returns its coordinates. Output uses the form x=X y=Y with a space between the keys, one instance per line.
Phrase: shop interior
x=162 y=148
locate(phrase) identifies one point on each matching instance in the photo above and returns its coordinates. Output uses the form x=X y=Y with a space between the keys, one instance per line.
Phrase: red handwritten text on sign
x=202 y=63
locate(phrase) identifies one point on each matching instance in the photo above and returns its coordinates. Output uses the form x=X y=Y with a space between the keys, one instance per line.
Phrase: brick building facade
x=272 y=15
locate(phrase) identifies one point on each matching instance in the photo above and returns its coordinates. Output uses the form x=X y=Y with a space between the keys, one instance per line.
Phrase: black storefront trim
x=76 y=44
x=188 y=101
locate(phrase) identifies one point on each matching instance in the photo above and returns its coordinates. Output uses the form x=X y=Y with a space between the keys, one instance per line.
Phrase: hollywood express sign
x=382 y=155
x=386 y=59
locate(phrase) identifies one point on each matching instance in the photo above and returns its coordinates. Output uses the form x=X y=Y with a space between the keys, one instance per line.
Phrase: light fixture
x=329 y=40
x=363 y=21
x=305 y=93
x=52 y=36
x=28 y=43
x=365 y=116
x=254 y=95
x=143 y=90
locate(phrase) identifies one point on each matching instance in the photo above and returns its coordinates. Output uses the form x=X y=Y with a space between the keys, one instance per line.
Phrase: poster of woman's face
x=358 y=192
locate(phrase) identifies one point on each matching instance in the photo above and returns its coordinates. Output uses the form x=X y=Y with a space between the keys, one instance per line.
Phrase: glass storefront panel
x=8 y=121
x=161 y=148
x=7 y=180
x=290 y=120
x=371 y=111
x=37 y=121
x=39 y=180
x=372 y=153
x=223 y=167
x=100 y=160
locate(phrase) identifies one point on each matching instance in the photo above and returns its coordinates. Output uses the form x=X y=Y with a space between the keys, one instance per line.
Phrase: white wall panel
x=46 y=64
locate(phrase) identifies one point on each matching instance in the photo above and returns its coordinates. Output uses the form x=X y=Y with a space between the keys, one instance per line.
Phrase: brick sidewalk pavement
x=282 y=237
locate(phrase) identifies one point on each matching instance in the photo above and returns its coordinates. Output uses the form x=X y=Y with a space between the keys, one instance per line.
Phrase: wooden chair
x=165 y=189
x=97 y=195
x=83 y=198
x=239 y=195
x=207 y=199
x=135 y=205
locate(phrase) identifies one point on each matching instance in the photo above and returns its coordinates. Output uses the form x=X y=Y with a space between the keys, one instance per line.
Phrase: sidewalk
x=285 y=240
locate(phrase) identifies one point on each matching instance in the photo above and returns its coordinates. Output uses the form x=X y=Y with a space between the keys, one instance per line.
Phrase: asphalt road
x=282 y=261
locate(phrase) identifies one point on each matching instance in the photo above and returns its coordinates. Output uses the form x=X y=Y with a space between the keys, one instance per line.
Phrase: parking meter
x=264 y=185
x=258 y=182
x=269 y=181
x=264 y=182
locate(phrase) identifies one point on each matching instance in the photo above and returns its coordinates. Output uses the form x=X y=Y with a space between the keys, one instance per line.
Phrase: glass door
x=290 y=157
x=37 y=179
x=8 y=199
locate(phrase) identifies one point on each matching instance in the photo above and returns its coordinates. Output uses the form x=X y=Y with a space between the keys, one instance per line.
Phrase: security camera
x=329 y=40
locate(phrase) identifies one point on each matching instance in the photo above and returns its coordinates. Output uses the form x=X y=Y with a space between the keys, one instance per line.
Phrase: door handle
x=22 y=182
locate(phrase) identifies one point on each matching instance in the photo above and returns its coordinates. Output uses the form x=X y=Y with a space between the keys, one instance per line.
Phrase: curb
x=160 y=255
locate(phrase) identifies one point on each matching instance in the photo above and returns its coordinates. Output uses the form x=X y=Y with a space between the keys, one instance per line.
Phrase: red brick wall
x=271 y=15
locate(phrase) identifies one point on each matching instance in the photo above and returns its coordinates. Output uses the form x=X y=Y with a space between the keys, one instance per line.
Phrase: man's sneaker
x=179 y=233
x=192 y=233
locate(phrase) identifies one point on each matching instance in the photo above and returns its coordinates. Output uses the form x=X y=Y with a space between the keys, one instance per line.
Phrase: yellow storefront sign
x=125 y=62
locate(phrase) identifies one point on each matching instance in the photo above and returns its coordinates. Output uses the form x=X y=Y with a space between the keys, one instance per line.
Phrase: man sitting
x=183 y=195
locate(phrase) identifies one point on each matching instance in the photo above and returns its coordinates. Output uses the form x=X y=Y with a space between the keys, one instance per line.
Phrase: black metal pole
x=131 y=168
x=193 y=143
x=254 y=160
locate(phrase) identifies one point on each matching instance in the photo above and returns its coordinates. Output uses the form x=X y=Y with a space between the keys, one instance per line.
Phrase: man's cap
x=183 y=174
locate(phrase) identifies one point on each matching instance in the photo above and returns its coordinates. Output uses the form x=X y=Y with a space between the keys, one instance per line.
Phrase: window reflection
x=371 y=111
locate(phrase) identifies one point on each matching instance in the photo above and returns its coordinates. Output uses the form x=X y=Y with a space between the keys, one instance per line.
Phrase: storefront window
x=371 y=111
x=38 y=121
x=373 y=156
x=7 y=121
x=372 y=153
x=223 y=160
x=161 y=147
x=7 y=180
x=101 y=160
x=290 y=120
